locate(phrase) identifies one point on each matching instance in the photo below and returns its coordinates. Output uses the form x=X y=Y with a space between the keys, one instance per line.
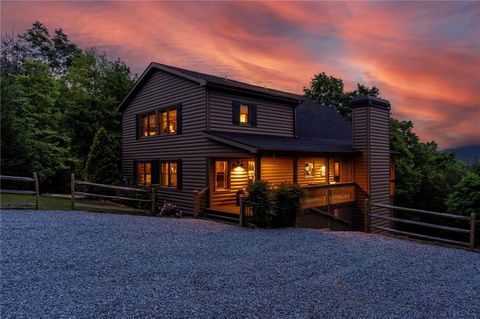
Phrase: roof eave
x=231 y=143
x=295 y=101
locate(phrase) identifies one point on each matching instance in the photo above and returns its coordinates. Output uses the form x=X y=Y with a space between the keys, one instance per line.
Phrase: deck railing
x=35 y=192
x=326 y=195
x=470 y=219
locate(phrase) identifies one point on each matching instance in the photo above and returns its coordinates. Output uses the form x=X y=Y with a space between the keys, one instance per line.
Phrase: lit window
x=164 y=122
x=336 y=171
x=309 y=169
x=148 y=125
x=221 y=170
x=168 y=174
x=168 y=122
x=251 y=172
x=144 y=173
x=244 y=114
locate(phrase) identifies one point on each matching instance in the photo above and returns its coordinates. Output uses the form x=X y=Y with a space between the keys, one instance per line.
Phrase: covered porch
x=327 y=180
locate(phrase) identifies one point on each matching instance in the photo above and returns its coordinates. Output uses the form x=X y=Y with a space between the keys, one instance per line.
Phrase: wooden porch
x=328 y=182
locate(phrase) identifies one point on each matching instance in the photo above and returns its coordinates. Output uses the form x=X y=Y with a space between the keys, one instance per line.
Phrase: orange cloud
x=424 y=57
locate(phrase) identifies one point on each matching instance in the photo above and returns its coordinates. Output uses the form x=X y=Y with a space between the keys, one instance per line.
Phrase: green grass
x=60 y=203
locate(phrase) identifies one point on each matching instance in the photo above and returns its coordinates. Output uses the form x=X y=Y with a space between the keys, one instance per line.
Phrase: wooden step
x=220 y=216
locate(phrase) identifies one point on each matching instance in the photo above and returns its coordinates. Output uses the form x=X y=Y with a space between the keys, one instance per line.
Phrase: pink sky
x=424 y=57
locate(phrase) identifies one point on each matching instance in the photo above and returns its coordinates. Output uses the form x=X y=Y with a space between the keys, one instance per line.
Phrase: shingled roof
x=225 y=82
x=204 y=79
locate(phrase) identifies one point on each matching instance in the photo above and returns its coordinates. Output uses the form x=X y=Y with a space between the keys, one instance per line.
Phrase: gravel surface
x=82 y=265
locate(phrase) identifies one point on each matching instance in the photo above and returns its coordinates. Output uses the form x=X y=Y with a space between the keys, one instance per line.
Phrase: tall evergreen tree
x=103 y=163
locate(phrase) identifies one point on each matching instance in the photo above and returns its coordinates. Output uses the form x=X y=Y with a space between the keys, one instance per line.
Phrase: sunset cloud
x=424 y=56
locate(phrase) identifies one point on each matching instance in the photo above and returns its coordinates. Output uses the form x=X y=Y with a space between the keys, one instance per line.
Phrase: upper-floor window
x=168 y=122
x=144 y=173
x=244 y=114
x=148 y=124
x=165 y=121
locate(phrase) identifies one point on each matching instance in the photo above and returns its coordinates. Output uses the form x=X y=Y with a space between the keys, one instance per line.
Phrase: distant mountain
x=467 y=153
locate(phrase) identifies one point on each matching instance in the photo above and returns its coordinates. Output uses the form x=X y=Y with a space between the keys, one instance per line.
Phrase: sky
x=424 y=56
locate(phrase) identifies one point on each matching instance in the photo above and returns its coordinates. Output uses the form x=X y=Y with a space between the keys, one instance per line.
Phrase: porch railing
x=197 y=201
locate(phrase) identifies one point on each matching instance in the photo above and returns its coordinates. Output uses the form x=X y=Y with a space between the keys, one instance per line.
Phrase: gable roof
x=255 y=143
x=204 y=79
x=321 y=121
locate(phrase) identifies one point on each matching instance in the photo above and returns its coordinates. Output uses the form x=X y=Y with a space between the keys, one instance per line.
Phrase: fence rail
x=470 y=231
x=35 y=192
x=75 y=193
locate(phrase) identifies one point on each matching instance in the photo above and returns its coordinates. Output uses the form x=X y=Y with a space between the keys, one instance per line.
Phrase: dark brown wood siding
x=162 y=89
x=372 y=169
x=273 y=118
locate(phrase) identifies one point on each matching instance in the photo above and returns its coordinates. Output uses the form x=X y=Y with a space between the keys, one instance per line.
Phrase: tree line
x=426 y=178
x=55 y=97
x=59 y=115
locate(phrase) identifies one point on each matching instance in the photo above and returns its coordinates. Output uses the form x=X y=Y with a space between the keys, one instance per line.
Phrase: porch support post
x=258 y=162
x=295 y=170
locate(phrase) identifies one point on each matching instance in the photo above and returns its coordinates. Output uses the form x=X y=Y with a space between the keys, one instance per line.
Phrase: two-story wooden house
x=193 y=133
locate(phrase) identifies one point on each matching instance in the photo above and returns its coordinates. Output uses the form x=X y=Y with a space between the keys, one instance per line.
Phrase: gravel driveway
x=78 y=264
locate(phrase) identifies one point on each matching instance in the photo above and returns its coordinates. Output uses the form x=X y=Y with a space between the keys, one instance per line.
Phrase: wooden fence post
x=153 y=199
x=72 y=188
x=367 y=216
x=196 y=205
x=240 y=218
x=37 y=191
x=473 y=229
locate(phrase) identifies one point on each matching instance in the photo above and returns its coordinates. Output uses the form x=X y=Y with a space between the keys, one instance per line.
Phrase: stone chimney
x=370 y=134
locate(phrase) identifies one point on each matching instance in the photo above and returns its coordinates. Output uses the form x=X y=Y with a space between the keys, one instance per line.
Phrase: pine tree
x=103 y=159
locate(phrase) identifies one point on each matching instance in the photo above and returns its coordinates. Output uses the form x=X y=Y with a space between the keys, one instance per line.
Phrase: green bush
x=259 y=200
x=286 y=204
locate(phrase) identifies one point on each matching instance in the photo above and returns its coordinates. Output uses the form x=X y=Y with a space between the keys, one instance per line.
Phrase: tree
x=31 y=140
x=424 y=176
x=91 y=90
x=330 y=91
x=465 y=198
x=54 y=98
x=103 y=164
x=57 y=51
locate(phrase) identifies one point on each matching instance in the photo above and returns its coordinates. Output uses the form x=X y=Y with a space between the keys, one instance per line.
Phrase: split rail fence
x=470 y=219
x=77 y=204
x=35 y=192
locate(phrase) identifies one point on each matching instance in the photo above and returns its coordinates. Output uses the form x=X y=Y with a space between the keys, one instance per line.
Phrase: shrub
x=169 y=210
x=286 y=204
x=259 y=200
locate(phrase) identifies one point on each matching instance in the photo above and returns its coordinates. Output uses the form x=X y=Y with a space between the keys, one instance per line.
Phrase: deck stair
x=220 y=216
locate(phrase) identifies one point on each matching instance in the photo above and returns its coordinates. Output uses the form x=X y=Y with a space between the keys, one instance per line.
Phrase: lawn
x=58 y=203
x=84 y=265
